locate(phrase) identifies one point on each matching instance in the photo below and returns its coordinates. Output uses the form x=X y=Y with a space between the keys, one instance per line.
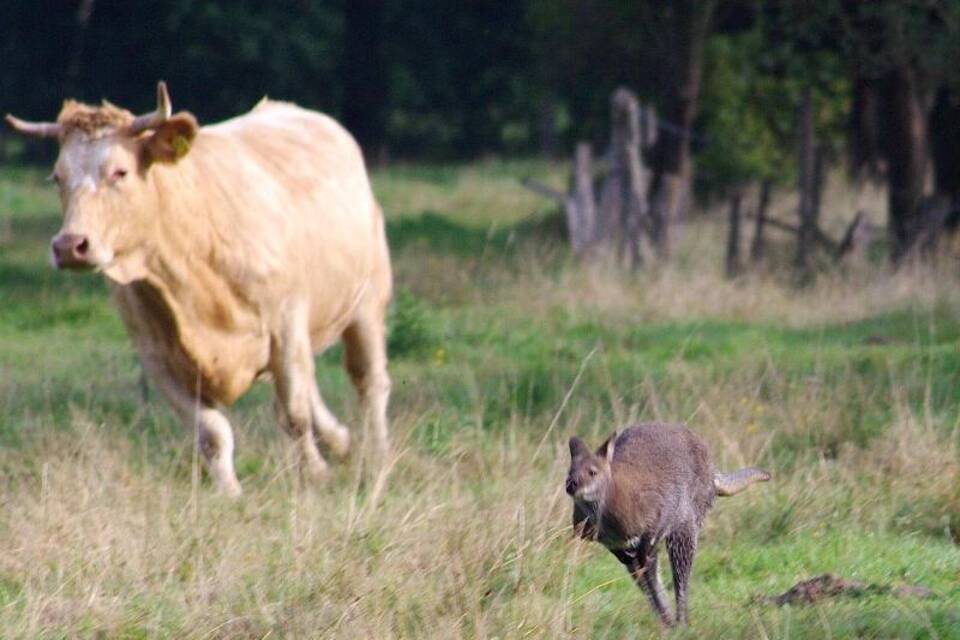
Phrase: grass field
x=502 y=347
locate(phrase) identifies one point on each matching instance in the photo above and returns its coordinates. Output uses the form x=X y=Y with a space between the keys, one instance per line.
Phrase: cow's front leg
x=213 y=432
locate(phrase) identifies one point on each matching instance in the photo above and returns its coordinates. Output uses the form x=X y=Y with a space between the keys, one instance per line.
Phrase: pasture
x=501 y=347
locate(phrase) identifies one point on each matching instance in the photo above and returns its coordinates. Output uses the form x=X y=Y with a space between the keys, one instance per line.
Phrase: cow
x=234 y=251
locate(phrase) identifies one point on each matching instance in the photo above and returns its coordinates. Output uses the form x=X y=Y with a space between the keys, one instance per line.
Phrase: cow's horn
x=156 y=118
x=37 y=129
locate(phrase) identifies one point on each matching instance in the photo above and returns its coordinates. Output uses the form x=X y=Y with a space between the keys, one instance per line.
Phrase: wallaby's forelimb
x=728 y=484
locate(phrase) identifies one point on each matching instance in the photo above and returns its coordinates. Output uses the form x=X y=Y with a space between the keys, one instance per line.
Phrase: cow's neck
x=184 y=269
x=176 y=240
x=194 y=253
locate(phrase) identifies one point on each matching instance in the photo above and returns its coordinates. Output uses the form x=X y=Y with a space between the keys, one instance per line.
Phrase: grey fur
x=648 y=483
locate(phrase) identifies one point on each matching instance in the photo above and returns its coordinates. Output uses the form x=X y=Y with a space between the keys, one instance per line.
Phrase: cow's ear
x=171 y=140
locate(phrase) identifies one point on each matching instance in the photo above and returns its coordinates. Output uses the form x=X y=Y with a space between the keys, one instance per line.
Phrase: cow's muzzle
x=71 y=251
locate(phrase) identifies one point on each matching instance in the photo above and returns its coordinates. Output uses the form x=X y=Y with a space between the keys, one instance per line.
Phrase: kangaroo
x=648 y=483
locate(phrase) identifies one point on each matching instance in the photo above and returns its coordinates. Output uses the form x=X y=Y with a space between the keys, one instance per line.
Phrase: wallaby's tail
x=728 y=484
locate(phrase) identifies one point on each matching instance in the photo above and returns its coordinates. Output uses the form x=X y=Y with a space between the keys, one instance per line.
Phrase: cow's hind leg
x=365 y=357
x=326 y=428
x=297 y=397
x=214 y=435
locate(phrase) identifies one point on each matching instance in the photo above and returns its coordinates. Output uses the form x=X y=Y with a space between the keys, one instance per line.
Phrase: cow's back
x=268 y=214
x=299 y=185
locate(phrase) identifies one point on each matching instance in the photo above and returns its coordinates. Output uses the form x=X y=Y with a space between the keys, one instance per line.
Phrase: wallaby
x=648 y=483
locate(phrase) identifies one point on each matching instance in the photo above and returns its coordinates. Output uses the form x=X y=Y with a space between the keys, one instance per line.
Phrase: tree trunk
x=547 y=126
x=907 y=155
x=690 y=25
x=733 y=266
x=83 y=15
x=364 y=76
x=945 y=153
x=758 y=247
x=806 y=187
x=865 y=127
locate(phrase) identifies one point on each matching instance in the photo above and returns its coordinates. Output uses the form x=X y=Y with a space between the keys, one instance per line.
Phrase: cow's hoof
x=230 y=489
x=316 y=472
x=339 y=442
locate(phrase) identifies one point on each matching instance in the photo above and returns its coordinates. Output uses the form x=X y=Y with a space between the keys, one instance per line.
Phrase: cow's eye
x=118 y=174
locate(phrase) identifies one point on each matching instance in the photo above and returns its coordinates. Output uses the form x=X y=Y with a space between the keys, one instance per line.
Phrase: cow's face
x=104 y=172
x=101 y=181
x=109 y=203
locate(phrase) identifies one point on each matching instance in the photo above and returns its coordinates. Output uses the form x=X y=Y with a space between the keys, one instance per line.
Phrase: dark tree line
x=414 y=78
x=440 y=80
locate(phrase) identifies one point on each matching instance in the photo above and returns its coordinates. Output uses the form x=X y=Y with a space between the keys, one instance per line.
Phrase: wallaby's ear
x=578 y=448
x=607 y=448
x=171 y=140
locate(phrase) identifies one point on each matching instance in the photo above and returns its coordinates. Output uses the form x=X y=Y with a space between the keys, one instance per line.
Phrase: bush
x=410 y=331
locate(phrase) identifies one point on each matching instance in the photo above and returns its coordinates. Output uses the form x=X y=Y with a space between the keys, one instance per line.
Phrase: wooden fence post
x=623 y=201
x=580 y=205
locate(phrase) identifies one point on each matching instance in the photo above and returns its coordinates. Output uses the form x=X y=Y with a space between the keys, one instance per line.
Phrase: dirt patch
x=830 y=586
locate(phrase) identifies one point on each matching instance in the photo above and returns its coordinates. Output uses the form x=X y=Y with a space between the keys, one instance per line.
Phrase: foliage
x=459 y=80
x=410 y=327
x=748 y=115
x=753 y=83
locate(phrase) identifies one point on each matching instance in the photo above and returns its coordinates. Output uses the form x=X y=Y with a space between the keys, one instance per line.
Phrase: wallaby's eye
x=118 y=174
x=54 y=178
x=592 y=472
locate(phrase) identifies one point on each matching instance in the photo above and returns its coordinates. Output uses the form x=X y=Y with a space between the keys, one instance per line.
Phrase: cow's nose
x=70 y=250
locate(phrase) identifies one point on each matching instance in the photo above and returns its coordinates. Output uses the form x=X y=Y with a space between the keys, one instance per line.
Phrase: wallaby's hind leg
x=365 y=356
x=681 y=547
x=642 y=564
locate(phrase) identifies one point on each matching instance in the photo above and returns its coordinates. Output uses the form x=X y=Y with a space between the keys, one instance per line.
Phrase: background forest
x=739 y=214
x=439 y=81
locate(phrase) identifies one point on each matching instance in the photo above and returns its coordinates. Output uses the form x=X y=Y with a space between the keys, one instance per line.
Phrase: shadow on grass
x=430 y=230
x=35 y=228
x=26 y=284
x=437 y=232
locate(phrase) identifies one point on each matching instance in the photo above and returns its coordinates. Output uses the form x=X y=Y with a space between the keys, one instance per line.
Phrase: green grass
x=502 y=346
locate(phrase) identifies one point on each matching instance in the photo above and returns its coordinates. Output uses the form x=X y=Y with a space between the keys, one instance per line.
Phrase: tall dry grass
x=106 y=533
x=470 y=544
